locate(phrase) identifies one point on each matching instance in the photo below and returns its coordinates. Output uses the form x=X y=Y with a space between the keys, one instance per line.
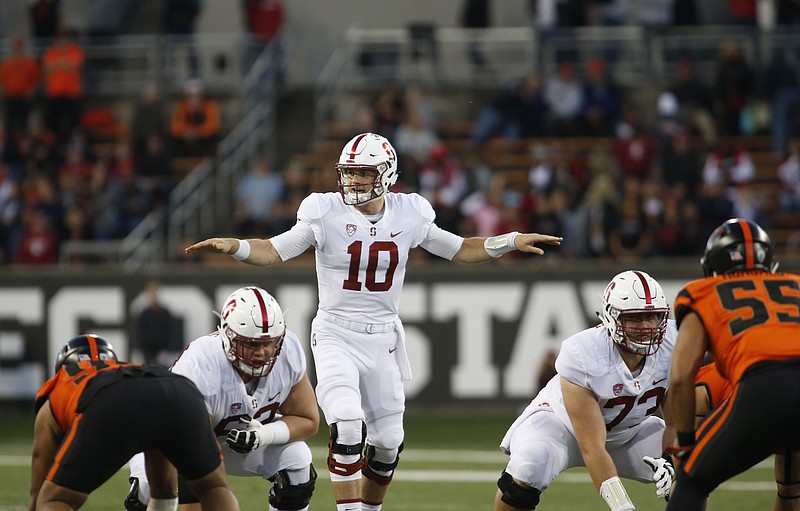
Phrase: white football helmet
x=370 y=153
x=250 y=318
x=629 y=292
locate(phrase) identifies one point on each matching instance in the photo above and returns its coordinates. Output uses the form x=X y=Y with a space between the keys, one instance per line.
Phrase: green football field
x=451 y=463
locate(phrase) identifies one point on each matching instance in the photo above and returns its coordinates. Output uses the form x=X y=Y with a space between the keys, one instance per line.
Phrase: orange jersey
x=64 y=390
x=749 y=316
x=63 y=68
x=718 y=388
x=19 y=76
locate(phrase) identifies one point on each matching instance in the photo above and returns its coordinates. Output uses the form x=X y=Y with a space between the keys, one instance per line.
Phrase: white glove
x=256 y=435
x=663 y=475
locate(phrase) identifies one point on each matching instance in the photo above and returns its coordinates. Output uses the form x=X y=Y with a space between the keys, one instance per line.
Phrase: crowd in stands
x=619 y=178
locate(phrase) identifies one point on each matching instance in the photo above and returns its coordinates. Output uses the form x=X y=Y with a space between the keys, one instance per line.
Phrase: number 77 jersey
x=361 y=265
x=749 y=316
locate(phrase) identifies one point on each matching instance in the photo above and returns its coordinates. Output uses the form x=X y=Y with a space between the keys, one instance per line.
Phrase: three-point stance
x=252 y=375
x=146 y=408
x=362 y=238
x=597 y=411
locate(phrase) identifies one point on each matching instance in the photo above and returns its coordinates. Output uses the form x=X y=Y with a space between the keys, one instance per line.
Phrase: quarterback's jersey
x=360 y=265
x=225 y=394
x=749 y=317
x=591 y=360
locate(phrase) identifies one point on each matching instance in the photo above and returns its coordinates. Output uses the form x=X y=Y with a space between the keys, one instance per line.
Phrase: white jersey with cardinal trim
x=591 y=360
x=225 y=394
x=360 y=265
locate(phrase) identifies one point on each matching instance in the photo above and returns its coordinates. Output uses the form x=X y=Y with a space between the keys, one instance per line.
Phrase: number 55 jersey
x=749 y=316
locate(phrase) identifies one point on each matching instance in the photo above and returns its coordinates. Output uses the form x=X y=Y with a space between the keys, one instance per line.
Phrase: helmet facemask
x=360 y=184
x=252 y=330
x=635 y=293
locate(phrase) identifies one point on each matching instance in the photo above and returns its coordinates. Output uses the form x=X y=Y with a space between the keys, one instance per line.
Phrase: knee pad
x=379 y=463
x=520 y=496
x=286 y=496
x=133 y=502
x=346 y=447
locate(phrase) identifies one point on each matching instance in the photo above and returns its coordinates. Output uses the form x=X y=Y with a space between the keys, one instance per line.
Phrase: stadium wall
x=474 y=333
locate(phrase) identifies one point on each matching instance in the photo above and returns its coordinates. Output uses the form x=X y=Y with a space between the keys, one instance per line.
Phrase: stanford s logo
x=351 y=229
x=229 y=307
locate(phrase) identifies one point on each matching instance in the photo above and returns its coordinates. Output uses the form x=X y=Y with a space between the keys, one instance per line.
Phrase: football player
x=598 y=410
x=91 y=396
x=252 y=375
x=711 y=389
x=362 y=237
x=747 y=316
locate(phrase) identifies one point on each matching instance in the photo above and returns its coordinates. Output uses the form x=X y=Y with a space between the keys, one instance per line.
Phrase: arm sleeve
x=434 y=239
x=295 y=241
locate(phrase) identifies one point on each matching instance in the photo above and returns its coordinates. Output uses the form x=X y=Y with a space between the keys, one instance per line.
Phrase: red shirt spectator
x=39 y=243
x=63 y=68
x=19 y=73
x=264 y=18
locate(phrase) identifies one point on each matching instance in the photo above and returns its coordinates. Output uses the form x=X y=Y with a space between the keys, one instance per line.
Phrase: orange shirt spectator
x=195 y=122
x=63 y=68
x=19 y=73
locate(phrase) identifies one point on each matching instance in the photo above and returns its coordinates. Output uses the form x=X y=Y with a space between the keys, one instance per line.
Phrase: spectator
x=443 y=182
x=389 y=109
x=728 y=163
x=257 y=196
x=669 y=121
x=789 y=176
x=475 y=14
x=694 y=99
x=63 y=77
x=414 y=142
x=564 y=96
x=38 y=245
x=680 y=166
x=264 y=21
x=634 y=148
x=685 y=13
x=735 y=84
x=157 y=334
x=517 y=111
x=45 y=19
x=10 y=215
x=601 y=100
x=180 y=17
x=19 y=78
x=154 y=170
x=195 y=122
x=149 y=120
x=630 y=237
x=783 y=88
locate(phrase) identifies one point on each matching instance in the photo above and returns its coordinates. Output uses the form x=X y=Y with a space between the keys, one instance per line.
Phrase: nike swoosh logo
x=391 y=350
x=656 y=382
x=273 y=397
x=395 y=233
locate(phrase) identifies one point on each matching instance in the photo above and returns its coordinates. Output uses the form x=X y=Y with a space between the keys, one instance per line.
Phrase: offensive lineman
x=598 y=410
x=362 y=237
x=252 y=375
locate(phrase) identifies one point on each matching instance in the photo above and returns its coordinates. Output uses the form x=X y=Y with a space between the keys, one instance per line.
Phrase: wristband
x=278 y=433
x=243 y=251
x=615 y=495
x=499 y=245
x=163 y=504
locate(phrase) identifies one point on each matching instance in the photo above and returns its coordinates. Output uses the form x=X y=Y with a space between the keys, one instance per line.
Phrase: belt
x=355 y=326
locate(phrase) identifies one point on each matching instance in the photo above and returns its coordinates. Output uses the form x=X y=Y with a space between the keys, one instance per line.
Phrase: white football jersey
x=204 y=362
x=360 y=265
x=591 y=360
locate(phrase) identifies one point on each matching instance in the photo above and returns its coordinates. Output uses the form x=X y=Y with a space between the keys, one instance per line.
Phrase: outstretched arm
x=478 y=250
x=47 y=437
x=261 y=252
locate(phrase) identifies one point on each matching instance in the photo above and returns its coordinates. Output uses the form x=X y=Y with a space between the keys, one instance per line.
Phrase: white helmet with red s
x=367 y=169
x=251 y=319
x=634 y=292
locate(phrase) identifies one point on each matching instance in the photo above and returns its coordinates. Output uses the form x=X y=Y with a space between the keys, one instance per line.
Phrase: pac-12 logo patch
x=617 y=389
x=235 y=408
x=351 y=229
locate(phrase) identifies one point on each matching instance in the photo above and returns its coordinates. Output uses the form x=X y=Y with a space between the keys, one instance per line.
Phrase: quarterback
x=362 y=237
x=252 y=375
x=597 y=411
